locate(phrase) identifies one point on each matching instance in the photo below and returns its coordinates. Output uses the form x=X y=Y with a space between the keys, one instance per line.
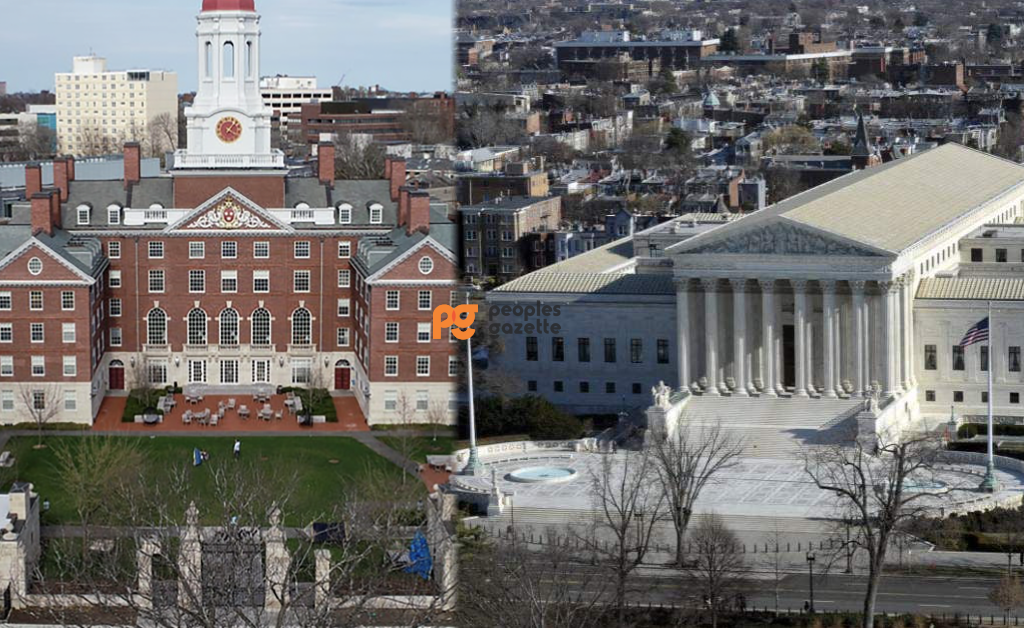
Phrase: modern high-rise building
x=99 y=109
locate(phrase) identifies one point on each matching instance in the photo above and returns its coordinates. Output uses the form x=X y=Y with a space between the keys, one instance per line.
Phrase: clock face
x=229 y=129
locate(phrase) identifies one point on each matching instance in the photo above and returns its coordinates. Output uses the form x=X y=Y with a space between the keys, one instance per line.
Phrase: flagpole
x=989 y=484
x=473 y=465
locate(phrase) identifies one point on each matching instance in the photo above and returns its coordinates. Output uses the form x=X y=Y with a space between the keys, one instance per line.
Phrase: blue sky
x=399 y=44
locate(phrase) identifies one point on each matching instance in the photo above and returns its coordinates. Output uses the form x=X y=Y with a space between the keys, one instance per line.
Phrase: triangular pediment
x=779 y=237
x=229 y=211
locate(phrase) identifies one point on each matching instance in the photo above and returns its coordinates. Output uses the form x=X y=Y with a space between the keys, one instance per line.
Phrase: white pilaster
x=888 y=363
x=828 y=315
x=739 y=330
x=908 y=336
x=683 y=332
x=859 y=383
x=711 y=329
x=768 y=337
x=800 y=335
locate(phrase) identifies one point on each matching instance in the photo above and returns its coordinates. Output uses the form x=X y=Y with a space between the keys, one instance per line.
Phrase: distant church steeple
x=863 y=154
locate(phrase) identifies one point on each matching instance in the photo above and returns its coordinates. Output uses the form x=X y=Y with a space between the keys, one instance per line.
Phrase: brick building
x=508 y=237
x=224 y=271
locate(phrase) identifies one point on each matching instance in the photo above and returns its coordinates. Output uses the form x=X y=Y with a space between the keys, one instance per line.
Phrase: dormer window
x=376 y=214
x=344 y=214
x=83 y=214
x=114 y=214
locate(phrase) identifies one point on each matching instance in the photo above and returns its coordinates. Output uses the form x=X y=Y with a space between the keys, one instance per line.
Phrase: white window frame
x=39 y=362
x=423 y=366
x=391 y=332
x=70 y=401
x=6 y=366
x=398 y=300
x=196 y=281
x=115 y=307
x=303 y=275
x=391 y=366
x=344 y=278
x=453 y=366
x=6 y=302
x=344 y=308
x=228 y=275
x=115 y=279
x=344 y=250
x=261 y=250
x=68 y=333
x=343 y=337
x=116 y=337
x=84 y=212
x=33 y=327
x=156 y=249
x=260 y=275
x=66 y=297
x=344 y=214
x=7 y=333
x=157 y=275
x=225 y=253
x=70 y=366
x=307 y=251
x=420 y=300
x=197 y=250
x=6 y=401
x=376 y=214
x=422 y=332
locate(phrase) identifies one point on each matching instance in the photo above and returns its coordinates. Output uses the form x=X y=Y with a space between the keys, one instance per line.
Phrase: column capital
x=738 y=283
x=709 y=284
x=857 y=286
x=767 y=285
x=827 y=285
x=681 y=283
x=888 y=286
x=799 y=285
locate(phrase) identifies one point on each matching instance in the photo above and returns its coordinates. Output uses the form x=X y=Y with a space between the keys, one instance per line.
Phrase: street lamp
x=810 y=578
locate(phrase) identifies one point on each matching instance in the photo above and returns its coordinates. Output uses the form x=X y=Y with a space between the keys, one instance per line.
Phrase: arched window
x=229 y=60
x=302 y=327
x=208 y=70
x=197 y=327
x=261 y=328
x=156 y=323
x=344 y=214
x=229 y=327
x=248 y=60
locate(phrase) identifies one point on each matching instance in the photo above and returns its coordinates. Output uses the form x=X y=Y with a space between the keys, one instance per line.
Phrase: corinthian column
x=828 y=315
x=739 y=330
x=711 y=329
x=683 y=331
x=768 y=336
x=800 y=334
x=859 y=323
x=888 y=363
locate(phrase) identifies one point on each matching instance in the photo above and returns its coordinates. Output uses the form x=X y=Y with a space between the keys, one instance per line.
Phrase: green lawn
x=300 y=462
x=421 y=446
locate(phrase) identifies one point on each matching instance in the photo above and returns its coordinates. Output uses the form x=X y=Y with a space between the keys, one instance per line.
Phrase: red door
x=342 y=378
x=116 y=377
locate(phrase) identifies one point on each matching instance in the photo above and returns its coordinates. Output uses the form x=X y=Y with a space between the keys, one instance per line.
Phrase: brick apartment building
x=224 y=271
x=517 y=179
x=383 y=119
x=508 y=237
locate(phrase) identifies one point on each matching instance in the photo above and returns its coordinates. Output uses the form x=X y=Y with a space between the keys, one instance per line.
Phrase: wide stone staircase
x=777 y=428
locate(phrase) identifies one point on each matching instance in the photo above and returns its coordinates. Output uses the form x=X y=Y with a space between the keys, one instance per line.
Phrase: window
x=197 y=327
x=1001 y=255
x=38 y=366
x=83 y=214
x=426 y=265
x=343 y=337
x=302 y=250
x=70 y=401
x=983 y=358
x=391 y=300
x=156 y=327
x=6 y=365
x=70 y=366
x=423 y=300
x=345 y=214
x=302 y=327
x=228 y=250
x=300 y=281
x=531 y=385
x=261 y=250
x=584 y=387
x=261 y=281
x=557 y=349
x=302 y=369
x=958 y=396
x=422 y=332
x=6 y=302
x=67 y=300
x=662 y=351
x=531 y=348
x=38 y=400
x=229 y=327
x=197 y=281
x=229 y=281
x=958 y=358
x=558 y=386
x=930 y=357
x=422 y=365
x=376 y=214
x=114 y=215
x=929 y=395
x=391 y=366
x=583 y=349
x=390 y=332
x=1015 y=397
x=609 y=388
x=344 y=308
x=156 y=250
x=36 y=332
x=984 y=397
x=422 y=400
x=6 y=332
x=636 y=350
x=261 y=371
x=390 y=400
x=7 y=400
x=115 y=279
x=67 y=333
x=229 y=371
x=115 y=336
x=1013 y=360
x=344 y=278
x=114 y=249
x=196 y=250
x=976 y=255
x=156 y=281
x=115 y=307
x=344 y=250
x=453 y=366
x=260 y=327
x=228 y=67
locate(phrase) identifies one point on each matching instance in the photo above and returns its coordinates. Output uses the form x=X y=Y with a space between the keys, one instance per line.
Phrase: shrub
x=969 y=430
x=530 y=414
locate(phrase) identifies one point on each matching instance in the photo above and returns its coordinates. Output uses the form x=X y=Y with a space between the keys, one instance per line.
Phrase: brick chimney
x=325 y=163
x=403 y=207
x=33 y=180
x=132 y=164
x=418 y=212
x=397 y=176
x=387 y=168
x=60 y=177
x=71 y=167
x=55 y=218
x=42 y=212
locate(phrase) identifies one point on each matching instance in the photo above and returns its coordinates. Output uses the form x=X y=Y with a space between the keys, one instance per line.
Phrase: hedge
x=970 y=430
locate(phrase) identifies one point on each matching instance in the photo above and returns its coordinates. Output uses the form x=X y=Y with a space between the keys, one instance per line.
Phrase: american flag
x=977 y=333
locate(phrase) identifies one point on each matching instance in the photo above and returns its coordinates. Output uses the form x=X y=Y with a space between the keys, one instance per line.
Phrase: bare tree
x=438 y=415
x=428 y=123
x=868 y=482
x=685 y=461
x=43 y=403
x=404 y=440
x=1008 y=594
x=356 y=159
x=628 y=505
x=163 y=134
x=777 y=563
x=718 y=569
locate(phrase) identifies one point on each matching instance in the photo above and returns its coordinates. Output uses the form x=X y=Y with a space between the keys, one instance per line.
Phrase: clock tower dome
x=228 y=125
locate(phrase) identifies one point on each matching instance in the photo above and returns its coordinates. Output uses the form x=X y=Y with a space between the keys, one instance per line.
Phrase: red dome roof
x=229 y=5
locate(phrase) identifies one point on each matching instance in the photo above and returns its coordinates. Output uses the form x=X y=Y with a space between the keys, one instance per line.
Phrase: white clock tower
x=228 y=126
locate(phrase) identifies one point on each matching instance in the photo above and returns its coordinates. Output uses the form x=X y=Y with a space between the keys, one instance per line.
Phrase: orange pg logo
x=461 y=317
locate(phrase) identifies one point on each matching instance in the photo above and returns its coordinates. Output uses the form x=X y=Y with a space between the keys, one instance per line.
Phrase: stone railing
x=985 y=501
x=182 y=159
x=459 y=458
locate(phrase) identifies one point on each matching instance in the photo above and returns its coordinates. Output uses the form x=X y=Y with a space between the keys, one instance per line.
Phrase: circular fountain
x=541 y=475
